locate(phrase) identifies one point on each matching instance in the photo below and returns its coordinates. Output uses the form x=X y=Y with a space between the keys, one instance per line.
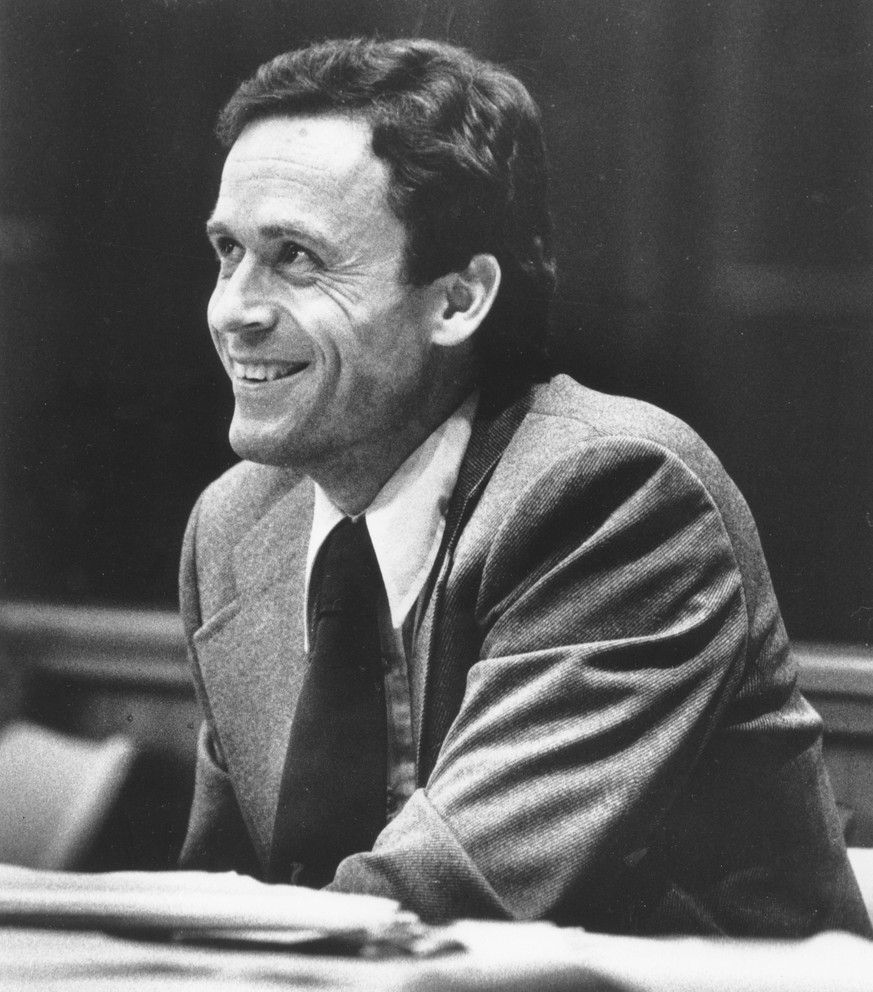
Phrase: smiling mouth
x=265 y=372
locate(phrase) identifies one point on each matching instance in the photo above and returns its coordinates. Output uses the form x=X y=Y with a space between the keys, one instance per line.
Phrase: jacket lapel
x=498 y=418
x=252 y=657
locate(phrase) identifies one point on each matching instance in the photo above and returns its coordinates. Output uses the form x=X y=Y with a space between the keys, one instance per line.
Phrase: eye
x=225 y=246
x=291 y=253
x=226 y=249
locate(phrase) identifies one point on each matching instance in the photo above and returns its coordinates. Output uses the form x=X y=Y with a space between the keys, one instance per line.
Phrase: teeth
x=262 y=373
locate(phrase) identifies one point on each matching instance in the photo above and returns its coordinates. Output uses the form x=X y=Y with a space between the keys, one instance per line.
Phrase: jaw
x=349 y=437
x=259 y=439
x=268 y=414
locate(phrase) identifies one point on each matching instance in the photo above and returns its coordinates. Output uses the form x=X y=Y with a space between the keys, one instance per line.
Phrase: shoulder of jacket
x=565 y=415
x=239 y=498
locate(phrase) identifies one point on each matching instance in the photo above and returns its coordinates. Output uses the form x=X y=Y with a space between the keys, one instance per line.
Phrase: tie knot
x=346 y=576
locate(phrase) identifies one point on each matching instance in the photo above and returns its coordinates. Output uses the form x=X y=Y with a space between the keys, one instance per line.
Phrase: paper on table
x=184 y=901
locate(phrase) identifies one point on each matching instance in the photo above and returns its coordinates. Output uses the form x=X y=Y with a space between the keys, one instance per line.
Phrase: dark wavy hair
x=463 y=141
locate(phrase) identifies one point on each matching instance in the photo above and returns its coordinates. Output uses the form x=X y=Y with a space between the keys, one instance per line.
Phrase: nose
x=241 y=302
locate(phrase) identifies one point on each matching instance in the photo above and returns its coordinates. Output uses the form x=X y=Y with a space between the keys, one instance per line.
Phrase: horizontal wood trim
x=838 y=681
x=835 y=669
x=144 y=648
x=147 y=648
x=154 y=629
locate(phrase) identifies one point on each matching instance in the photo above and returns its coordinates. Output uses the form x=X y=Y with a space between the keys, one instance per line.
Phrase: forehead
x=319 y=163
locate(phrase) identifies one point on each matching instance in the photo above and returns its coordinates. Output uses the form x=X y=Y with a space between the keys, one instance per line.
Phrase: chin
x=259 y=446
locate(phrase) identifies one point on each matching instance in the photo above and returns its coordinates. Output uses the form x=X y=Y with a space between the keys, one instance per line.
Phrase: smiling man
x=340 y=365
x=465 y=635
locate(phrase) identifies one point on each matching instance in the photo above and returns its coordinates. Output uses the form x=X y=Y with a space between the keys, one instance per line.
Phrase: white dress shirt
x=406 y=522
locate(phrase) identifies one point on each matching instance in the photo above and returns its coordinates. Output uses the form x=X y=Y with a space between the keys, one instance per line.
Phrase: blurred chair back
x=55 y=793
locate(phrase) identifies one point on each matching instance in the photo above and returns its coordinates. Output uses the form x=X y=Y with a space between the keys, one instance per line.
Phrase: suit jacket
x=607 y=724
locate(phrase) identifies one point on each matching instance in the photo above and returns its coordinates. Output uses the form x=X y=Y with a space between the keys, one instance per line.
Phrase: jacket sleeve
x=613 y=624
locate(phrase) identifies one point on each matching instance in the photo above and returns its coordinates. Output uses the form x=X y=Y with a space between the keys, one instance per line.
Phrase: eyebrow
x=215 y=228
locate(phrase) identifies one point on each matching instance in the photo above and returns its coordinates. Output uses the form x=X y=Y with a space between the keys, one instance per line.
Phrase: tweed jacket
x=604 y=704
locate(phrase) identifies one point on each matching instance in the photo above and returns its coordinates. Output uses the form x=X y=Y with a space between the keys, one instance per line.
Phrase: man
x=583 y=706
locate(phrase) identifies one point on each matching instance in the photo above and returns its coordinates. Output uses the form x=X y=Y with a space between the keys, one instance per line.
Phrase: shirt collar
x=407 y=518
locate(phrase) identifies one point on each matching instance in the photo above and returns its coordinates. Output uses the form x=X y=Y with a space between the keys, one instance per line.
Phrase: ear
x=469 y=295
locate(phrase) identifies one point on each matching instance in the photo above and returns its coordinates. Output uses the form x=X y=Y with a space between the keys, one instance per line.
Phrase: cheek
x=210 y=309
x=402 y=342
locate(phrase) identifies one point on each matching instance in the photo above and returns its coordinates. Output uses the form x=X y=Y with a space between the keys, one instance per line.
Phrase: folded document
x=213 y=904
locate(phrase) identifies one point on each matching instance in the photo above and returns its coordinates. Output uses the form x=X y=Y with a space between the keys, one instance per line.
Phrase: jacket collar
x=501 y=411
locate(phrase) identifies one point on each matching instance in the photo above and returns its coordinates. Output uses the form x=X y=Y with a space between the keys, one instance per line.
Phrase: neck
x=353 y=478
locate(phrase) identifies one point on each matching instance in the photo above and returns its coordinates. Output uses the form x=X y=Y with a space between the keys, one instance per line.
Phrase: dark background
x=712 y=196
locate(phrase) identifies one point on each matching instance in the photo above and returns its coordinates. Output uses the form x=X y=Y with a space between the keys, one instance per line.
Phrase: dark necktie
x=332 y=801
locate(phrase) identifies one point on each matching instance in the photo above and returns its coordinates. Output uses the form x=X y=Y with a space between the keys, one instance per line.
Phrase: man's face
x=327 y=346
